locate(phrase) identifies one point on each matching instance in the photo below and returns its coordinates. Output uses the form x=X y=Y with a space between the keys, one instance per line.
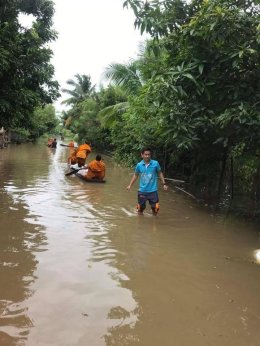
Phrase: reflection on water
x=17 y=266
x=78 y=267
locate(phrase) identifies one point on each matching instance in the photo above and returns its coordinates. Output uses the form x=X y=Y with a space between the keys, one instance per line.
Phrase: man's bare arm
x=134 y=178
x=165 y=187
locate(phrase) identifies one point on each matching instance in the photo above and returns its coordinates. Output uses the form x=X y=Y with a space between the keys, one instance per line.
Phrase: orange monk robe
x=71 y=147
x=96 y=170
x=83 y=151
x=72 y=159
x=50 y=141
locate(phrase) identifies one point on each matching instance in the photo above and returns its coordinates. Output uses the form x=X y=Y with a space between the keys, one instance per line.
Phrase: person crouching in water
x=96 y=169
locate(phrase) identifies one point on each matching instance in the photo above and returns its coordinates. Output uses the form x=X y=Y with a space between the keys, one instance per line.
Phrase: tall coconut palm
x=130 y=78
x=127 y=76
x=110 y=115
x=82 y=89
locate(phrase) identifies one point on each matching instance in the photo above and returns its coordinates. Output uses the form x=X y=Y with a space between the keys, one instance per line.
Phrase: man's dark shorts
x=151 y=197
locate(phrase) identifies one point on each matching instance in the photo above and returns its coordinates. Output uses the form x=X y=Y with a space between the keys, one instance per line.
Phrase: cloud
x=92 y=34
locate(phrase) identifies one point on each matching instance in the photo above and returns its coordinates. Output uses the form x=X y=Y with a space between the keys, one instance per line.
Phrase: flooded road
x=78 y=267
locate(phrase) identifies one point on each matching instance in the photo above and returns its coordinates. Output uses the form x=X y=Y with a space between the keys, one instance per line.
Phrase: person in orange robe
x=82 y=153
x=72 y=159
x=71 y=144
x=96 y=169
x=50 y=141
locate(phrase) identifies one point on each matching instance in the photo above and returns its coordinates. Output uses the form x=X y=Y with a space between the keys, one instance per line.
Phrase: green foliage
x=111 y=95
x=209 y=86
x=25 y=70
x=21 y=134
x=247 y=167
x=127 y=76
x=86 y=124
x=159 y=18
x=110 y=115
x=43 y=120
x=202 y=100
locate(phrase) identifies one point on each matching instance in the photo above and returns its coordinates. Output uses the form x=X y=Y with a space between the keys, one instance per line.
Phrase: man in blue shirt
x=148 y=170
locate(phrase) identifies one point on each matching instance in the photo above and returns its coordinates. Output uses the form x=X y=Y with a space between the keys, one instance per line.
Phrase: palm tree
x=82 y=89
x=130 y=78
x=127 y=76
x=110 y=115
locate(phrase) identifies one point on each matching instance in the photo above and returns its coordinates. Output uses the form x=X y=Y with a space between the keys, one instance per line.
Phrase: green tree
x=128 y=76
x=81 y=89
x=205 y=99
x=113 y=103
x=43 y=120
x=128 y=81
x=26 y=75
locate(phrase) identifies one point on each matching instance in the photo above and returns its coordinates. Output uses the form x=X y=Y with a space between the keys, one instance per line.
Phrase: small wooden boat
x=75 y=171
x=89 y=180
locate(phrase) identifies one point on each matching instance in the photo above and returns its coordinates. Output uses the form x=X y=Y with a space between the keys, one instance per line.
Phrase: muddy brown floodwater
x=78 y=267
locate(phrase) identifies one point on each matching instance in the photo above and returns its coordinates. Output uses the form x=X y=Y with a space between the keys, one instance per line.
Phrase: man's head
x=146 y=154
x=98 y=158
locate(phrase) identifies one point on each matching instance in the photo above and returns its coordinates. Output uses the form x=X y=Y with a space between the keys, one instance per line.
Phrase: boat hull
x=98 y=181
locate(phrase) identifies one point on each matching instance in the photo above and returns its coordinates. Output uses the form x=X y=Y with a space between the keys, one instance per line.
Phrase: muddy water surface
x=78 y=267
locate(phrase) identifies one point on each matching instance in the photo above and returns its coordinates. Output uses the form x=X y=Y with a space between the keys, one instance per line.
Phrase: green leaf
x=188 y=75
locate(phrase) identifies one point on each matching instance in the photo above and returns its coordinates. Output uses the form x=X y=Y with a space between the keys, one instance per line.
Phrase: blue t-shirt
x=148 y=175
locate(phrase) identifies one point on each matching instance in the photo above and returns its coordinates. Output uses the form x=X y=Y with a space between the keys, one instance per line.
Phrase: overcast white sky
x=92 y=34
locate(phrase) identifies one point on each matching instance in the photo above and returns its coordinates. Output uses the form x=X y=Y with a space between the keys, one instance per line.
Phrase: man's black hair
x=146 y=149
x=98 y=158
